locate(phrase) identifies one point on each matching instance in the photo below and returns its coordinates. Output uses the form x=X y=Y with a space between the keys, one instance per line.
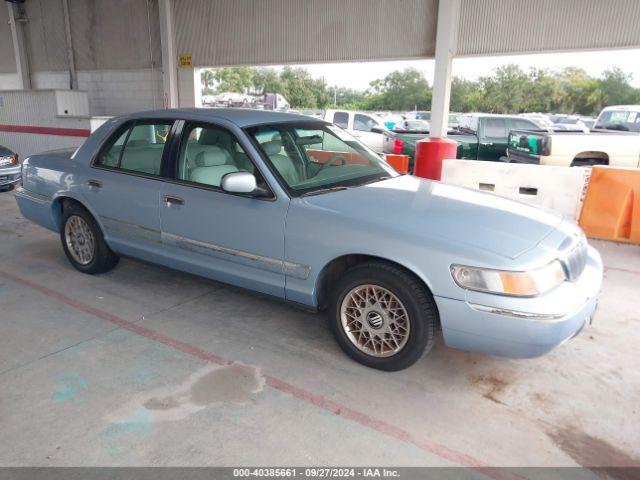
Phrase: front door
x=236 y=239
x=362 y=126
x=123 y=187
x=492 y=138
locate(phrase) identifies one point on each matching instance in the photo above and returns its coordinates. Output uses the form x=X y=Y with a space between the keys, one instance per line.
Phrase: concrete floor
x=133 y=368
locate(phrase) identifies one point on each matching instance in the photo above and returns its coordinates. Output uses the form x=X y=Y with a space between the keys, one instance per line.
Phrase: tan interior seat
x=281 y=162
x=211 y=166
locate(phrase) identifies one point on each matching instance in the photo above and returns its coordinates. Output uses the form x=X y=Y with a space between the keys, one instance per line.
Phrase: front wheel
x=83 y=242
x=382 y=316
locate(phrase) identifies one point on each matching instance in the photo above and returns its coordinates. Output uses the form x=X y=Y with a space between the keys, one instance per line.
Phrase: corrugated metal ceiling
x=237 y=32
x=490 y=27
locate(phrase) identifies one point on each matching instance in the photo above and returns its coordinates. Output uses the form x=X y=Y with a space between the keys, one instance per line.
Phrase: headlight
x=520 y=284
x=8 y=160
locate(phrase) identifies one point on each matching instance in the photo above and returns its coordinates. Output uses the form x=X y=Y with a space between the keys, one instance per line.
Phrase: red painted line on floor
x=624 y=270
x=307 y=396
x=60 y=132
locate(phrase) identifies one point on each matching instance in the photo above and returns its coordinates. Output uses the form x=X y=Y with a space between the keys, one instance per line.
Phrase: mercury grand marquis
x=296 y=208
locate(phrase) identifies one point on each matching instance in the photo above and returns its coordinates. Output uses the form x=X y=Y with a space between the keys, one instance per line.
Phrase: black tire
x=7 y=188
x=103 y=259
x=589 y=162
x=416 y=299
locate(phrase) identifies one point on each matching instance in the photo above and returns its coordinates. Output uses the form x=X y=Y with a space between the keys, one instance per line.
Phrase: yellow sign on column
x=186 y=61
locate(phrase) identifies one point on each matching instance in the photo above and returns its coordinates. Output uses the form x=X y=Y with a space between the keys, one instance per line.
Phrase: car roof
x=242 y=117
x=497 y=115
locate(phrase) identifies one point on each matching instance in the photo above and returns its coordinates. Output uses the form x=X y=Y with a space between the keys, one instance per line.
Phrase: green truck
x=480 y=136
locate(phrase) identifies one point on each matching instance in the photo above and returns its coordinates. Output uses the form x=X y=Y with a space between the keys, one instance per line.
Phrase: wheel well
x=336 y=267
x=590 y=158
x=59 y=205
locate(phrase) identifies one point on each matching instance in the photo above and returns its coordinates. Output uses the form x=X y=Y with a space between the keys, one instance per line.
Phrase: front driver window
x=363 y=123
x=208 y=153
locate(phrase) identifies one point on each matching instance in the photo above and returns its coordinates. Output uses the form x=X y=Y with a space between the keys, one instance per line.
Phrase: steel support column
x=446 y=46
x=16 y=18
x=167 y=40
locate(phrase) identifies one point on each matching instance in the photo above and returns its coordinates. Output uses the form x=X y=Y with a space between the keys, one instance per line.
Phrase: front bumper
x=10 y=175
x=522 y=327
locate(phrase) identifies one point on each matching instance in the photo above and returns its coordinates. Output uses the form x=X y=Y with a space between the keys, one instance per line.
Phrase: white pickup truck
x=366 y=127
x=614 y=140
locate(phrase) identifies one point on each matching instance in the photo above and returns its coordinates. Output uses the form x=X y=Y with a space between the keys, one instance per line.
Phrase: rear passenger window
x=341 y=119
x=524 y=125
x=138 y=149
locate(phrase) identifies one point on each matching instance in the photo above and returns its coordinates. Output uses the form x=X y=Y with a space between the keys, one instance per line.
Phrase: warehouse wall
x=37 y=108
x=111 y=92
x=7 y=59
x=116 y=48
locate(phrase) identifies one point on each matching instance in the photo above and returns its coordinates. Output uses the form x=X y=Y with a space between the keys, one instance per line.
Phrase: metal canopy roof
x=246 y=32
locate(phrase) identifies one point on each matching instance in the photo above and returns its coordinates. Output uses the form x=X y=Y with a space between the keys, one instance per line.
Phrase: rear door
x=123 y=186
x=237 y=239
x=492 y=138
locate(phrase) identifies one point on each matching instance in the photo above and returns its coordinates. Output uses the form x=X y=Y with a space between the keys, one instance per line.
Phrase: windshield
x=318 y=156
x=623 y=120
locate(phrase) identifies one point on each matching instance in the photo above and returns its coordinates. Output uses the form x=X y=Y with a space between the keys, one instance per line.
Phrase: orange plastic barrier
x=351 y=158
x=399 y=162
x=611 y=209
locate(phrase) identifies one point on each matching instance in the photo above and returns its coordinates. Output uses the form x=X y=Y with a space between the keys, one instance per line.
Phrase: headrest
x=211 y=157
x=210 y=136
x=272 y=147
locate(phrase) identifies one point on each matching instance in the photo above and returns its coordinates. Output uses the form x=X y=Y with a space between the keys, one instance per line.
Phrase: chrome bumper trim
x=541 y=317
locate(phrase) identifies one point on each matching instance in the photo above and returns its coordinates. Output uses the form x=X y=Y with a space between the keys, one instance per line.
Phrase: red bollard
x=429 y=155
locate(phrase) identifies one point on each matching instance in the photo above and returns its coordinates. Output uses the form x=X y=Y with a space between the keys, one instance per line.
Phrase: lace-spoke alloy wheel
x=375 y=320
x=382 y=315
x=79 y=239
x=83 y=242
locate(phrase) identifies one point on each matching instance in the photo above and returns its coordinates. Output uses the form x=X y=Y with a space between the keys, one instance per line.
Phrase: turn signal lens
x=520 y=284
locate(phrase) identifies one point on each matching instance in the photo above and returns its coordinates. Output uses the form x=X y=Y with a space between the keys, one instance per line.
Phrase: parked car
x=366 y=127
x=453 y=120
x=299 y=209
x=614 y=140
x=570 y=122
x=480 y=136
x=411 y=126
x=9 y=169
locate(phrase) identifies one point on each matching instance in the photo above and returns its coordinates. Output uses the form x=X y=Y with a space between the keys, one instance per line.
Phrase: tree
x=615 y=88
x=233 y=79
x=399 y=90
x=266 y=80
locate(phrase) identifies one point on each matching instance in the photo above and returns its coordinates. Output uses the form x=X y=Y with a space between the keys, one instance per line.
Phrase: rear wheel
x=83 y=242
x=382 y=316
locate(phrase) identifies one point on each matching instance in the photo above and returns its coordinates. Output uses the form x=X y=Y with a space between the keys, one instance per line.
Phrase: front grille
x=576 y=259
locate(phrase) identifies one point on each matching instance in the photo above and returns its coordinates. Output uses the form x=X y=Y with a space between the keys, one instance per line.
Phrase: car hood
x=433 y=209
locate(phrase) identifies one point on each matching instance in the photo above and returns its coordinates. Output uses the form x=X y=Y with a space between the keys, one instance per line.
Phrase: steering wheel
x=330 y=162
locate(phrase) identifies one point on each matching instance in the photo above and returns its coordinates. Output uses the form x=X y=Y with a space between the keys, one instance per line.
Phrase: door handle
x=94 y=183
x=486 y=144
x=171 y=199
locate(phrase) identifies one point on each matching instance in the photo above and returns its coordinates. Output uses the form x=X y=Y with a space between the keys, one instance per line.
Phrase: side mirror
x=242 y=182
x=377 y=129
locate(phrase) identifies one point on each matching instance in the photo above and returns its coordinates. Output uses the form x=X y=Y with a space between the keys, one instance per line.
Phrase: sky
x=358 y=75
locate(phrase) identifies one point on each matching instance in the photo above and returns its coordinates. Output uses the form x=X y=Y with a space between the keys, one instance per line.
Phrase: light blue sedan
x=296 y=208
